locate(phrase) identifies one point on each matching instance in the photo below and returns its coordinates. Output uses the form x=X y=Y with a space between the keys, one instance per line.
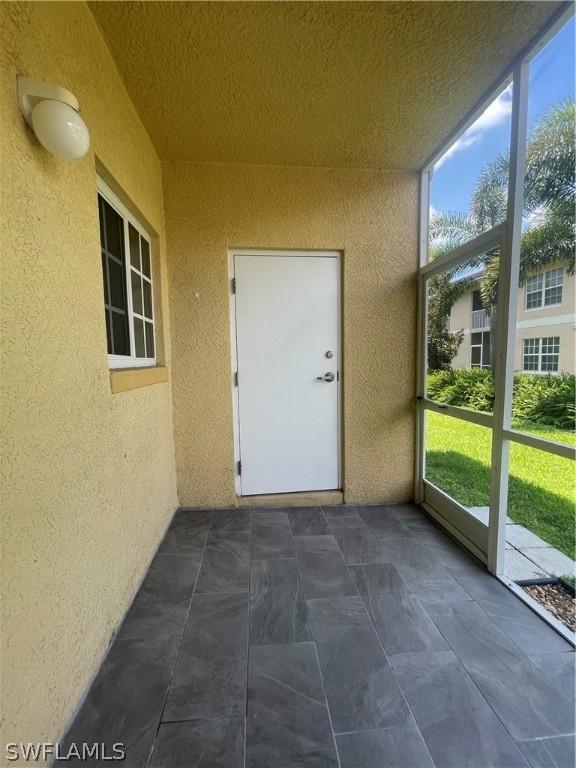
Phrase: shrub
x=545 y=400
x=467 y=387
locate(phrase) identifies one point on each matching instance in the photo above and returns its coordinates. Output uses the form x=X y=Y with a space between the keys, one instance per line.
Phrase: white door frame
x=233 y=346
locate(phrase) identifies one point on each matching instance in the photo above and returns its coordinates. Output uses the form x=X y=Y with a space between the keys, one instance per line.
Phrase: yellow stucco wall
x=88 y=483
x=371 y=216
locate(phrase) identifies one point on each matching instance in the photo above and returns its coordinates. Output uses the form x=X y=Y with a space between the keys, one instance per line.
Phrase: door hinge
x=233 y=285
x=235 y=378
x=239 y=467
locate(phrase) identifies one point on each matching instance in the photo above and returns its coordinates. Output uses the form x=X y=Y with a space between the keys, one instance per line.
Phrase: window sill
x=125 y=379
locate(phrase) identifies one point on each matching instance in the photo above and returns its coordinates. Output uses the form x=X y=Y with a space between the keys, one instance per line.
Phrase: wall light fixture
x=53 y=114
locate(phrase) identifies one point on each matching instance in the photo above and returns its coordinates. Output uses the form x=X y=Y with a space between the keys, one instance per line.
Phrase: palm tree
x=549 y=224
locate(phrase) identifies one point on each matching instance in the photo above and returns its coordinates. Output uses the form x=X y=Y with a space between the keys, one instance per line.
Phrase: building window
x=544 y=289
x=477 y=304
x=480 y=349
x=541 y=355
x=128 y=284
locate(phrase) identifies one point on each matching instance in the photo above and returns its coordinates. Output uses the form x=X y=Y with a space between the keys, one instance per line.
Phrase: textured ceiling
x=357 y=84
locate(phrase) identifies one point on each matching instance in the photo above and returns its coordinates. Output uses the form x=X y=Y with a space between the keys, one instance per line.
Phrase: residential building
x=545 y=325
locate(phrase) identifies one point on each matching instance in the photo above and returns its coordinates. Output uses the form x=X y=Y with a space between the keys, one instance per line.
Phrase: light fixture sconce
x=53 y=114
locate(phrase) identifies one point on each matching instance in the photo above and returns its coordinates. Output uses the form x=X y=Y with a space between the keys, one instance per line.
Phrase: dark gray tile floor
x=351 y=637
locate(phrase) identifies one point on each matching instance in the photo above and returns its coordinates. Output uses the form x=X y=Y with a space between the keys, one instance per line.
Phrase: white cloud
x=495 y=113
x=463 y=142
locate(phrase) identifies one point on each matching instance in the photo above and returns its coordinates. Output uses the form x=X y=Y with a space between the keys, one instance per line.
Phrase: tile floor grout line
x=377 y=729
x=391 y=666
x=177 y=654
x=472 y=678
x=546 y=738
x=383 y=650
x=201 y=719
x=326 y=703
x=248 y=634
x=225 y=592
x=311 y=627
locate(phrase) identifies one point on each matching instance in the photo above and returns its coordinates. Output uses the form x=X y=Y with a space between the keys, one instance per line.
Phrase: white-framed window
x=545 y=289
x=128 y=284
x=480 y=349
x=541 y=355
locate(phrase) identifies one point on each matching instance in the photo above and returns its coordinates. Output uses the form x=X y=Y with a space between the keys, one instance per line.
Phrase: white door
x=287 y=346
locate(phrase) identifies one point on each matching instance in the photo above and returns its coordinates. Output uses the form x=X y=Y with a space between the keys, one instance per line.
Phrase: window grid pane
x=114 y=229
x=550 y=344
x=136 y=292
x=553 y=295
x=147 y=289
x=534 y=283
x=553 y=278
x=534 y=286
x=120 y=338
x=113 y=278
x=116 y=283
x=533 y=300
x=531 y=354
x=550 y=353
x=149 y=339
x=541 y=354
x=486 y=350
x=139 y=337
x=142 y=306
x=126 y=265
x=549 y=363
x=105 y=277
x=134 y=247
x=145 y=246
x=108 y=332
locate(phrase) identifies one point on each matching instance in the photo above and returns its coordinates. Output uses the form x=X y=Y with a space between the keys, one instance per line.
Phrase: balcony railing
x=479 y=319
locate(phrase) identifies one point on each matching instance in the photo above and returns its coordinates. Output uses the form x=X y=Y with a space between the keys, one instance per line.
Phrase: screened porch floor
x=359 y=637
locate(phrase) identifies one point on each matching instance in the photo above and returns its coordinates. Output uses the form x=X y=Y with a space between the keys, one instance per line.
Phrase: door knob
x=328 y=377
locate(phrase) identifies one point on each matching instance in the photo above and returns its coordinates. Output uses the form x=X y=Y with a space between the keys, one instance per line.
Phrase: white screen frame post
x=509 y=271
x=491 y=547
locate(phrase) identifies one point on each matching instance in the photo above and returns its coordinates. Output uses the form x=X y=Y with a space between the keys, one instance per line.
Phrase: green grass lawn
x=541 y=487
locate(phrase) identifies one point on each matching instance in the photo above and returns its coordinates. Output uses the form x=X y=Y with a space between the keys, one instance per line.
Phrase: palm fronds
x=549 y=206
x=449 y=229
x=551 y=159
x=490 y=198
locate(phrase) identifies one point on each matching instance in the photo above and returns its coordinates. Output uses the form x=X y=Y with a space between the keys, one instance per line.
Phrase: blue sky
x=551 y=81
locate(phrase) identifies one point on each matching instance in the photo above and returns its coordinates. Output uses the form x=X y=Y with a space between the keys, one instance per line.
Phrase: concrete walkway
x=527 y=555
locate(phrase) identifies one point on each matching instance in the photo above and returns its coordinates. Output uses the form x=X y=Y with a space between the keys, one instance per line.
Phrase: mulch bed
x=558 y=600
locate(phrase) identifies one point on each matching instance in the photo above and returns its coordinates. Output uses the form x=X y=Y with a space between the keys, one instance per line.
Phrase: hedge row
x=545 y=400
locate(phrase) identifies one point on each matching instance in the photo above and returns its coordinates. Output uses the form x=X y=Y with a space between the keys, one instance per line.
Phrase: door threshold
x=300 y=499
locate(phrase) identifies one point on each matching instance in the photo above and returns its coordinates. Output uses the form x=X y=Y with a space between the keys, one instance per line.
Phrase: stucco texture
x=372 y=217
x=88 y=480
x=336 y=84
